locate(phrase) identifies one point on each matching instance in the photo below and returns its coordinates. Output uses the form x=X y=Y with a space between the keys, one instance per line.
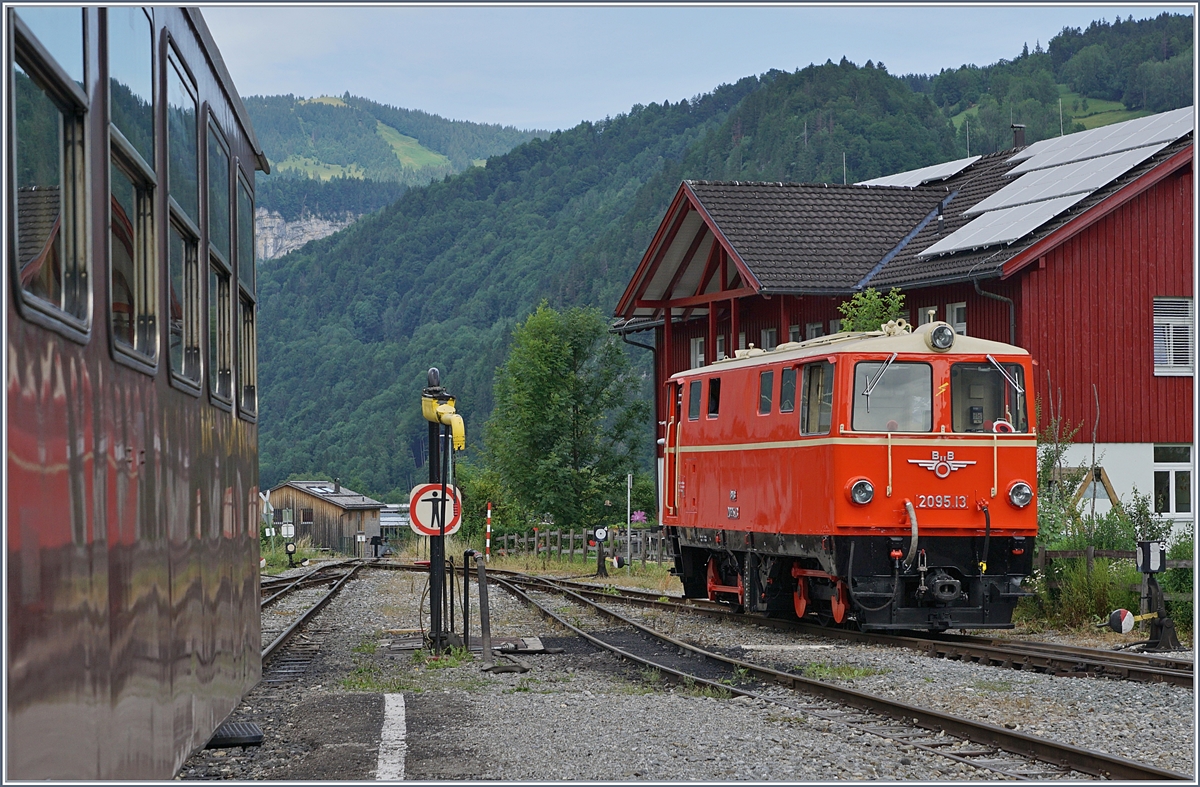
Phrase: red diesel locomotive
x=886 y=478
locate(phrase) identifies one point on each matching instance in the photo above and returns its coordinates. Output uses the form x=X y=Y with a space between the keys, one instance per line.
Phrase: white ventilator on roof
x=1057 y=173
x=1140 y=132
x=1078 y=177
x=915 y=177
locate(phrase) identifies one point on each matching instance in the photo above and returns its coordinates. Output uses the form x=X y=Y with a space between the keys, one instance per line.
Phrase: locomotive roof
x=858 y=342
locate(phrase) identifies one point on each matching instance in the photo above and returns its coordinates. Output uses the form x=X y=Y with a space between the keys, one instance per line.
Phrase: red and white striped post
x=487 y=546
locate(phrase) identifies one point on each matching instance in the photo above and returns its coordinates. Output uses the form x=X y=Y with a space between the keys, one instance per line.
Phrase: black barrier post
x=437 y=546
x=470 y=553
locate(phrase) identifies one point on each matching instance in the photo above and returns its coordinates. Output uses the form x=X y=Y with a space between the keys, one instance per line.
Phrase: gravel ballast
x=584 y=714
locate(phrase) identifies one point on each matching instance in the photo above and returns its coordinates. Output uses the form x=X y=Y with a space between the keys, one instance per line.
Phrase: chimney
x=1018 y=130
x=337 y=486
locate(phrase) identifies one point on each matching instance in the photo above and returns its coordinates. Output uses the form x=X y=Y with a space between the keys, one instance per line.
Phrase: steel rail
x=292 y=585
x=1060 y=660
x=287 y=633
x=1078 y=759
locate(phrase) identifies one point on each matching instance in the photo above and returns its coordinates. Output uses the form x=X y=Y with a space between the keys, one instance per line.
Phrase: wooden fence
x=1046 y=556
x=648 y=544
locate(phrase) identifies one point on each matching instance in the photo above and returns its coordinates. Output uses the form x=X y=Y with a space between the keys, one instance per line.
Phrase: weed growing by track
x=824 y=671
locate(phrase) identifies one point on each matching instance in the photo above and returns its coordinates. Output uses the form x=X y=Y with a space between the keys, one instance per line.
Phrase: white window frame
x=720 y=346
x=926 y=315
x=813 y=330
x=1174 y=337
x=696 y=352
x=794 y=333
x=1173 y=469
x=835 y=326
x=952 y=317
x=769 y=338
x=741 y=340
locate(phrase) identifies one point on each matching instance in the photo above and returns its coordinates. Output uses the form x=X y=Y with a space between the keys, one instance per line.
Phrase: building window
x=248 y=349
x=306 y=516
x=769 y=338
x=1173 y=480
x=794 y=333
x=47 y=111
x=835 y=326
x=813 y=330
x=741 y=340
x=1174 y=336
x=926 y=315
x=956 y=315
x=720 y=346
x=696 y=352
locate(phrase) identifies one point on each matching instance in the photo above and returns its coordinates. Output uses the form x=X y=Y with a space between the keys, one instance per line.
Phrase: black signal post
x=438 y=408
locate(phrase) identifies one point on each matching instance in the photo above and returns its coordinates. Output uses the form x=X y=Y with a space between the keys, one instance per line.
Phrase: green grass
x=318 y=169
x=370 y=678
x=368 y=646
x=991 y=685
x=410 y=152
x=277 y=560
x=1098 y=111
x=825 y=671
x=331 y=100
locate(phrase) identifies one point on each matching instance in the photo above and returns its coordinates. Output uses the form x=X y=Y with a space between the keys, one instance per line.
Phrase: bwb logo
x=941 y=466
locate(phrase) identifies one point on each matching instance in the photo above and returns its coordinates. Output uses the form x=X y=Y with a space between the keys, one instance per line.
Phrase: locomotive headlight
x=862 y=491
x=1020 y=494
x=941 y=338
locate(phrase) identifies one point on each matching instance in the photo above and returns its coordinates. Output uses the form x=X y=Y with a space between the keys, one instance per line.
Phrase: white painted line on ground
x=392 y=744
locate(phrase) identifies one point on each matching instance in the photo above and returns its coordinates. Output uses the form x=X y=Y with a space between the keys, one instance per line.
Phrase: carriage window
x=816 y=398
x=248 y=358
x=694 y=400
x=220 y=333
x=787 y=391
x=130 y=69
x=901 y=398
x=48 y=112
x=219 y=235
x=183 y=167
x=714 y=397
x=766 y=382
x=131 y=257
x=982 y=400
x=245 y=237
x=184 y=306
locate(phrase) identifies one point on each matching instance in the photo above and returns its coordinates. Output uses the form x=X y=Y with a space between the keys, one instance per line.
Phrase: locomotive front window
x=694 y=388
x=981 y=398
x=900 y=397
x=816 y=398
x=766 y=384
x=787 y=391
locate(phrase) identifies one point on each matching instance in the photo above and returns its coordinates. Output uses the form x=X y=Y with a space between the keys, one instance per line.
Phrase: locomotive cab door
x=670 y=450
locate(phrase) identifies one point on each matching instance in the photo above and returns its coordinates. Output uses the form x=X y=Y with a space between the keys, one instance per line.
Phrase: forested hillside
x=350 y=323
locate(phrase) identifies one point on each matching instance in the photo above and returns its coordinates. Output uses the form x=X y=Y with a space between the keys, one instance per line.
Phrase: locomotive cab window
x=985 y=399
x=694 y=388
x=787 y=391
x=892 y=396
x=47 y=109
x=816 y=398
x=714 y=397
x=766 y=384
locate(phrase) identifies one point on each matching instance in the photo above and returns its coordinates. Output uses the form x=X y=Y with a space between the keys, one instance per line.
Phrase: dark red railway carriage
x=884 y=478
x=132 y=467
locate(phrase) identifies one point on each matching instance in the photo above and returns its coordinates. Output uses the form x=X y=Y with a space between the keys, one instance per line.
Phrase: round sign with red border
x=424 y=503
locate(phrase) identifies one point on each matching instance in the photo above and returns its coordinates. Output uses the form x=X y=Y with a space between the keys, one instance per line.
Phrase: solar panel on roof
x=1162 y=128
x=915 y=177
x=1080 y=177
x=1002 y=226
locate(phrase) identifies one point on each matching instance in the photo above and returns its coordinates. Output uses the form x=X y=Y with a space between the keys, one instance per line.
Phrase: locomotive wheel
x=800 y=597
x=714 y=578
x=840 y=603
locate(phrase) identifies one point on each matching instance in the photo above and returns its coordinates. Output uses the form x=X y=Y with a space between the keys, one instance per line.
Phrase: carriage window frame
x=219 y=337
x=247 y=338
x=215 y=134
x=714 y=398
x=72 y=319
x=787 y=390
x=766 y=391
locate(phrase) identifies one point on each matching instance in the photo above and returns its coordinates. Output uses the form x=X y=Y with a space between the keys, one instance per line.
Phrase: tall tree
x=566 y=417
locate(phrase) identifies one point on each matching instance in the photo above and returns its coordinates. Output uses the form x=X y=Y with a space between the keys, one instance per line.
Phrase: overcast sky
x=551 y=67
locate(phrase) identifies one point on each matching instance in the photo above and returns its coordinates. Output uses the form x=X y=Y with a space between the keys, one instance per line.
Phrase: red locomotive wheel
x=840 y=603
x=800 y=597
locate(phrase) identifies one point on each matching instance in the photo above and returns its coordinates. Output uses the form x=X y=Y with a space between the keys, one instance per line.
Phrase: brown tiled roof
x=37 y=213
x=344 y=497
x=813 y=237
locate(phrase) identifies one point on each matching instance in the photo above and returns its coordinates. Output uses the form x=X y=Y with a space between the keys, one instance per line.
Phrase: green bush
x=1083 y=597
x=1180 y=580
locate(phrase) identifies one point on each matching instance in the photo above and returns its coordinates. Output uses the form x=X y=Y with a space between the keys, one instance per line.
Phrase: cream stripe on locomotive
x=896 y=442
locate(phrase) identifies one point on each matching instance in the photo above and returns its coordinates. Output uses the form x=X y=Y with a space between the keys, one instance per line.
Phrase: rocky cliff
x=275 y=237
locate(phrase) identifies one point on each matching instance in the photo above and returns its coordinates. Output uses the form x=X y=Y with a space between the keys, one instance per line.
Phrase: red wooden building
x=1079 y=249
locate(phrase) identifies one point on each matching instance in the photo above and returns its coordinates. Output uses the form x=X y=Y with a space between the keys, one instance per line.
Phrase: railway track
x=1006 y=752
x=305 y=600
x=1046 y=657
